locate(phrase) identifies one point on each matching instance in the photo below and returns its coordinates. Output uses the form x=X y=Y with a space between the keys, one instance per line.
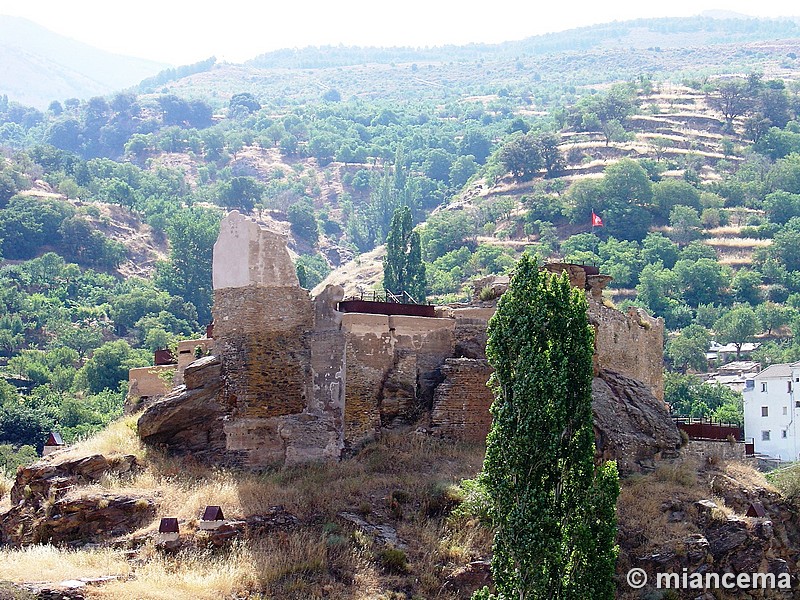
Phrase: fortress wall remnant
x=630 y=343
x=282 y=375
x=461 y=402
x=296 y=381
x=392 y=361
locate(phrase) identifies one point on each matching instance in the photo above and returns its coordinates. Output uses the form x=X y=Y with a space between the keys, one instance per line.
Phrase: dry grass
x=737 y=242
x=748 y=476
x=118 y=438
x=396 y=482
x=47 y=563
x=736 y=259
x=5 y=486
x=642 y=499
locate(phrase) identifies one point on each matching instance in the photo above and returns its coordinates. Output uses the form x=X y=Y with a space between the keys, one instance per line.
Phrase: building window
x=785 y=410
x=765 y=411
x=765 y=436
x=783 y=434
x=763 y=386
x=789 y=387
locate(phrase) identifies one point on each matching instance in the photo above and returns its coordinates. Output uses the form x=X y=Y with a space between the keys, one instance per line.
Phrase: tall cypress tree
x=403 y=269
x=553 y=509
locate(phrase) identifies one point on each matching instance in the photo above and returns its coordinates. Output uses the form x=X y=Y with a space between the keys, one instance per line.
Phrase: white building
x=771 y=411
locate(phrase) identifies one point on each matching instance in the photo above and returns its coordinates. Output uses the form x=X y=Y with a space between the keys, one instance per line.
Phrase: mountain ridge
x=38 y=65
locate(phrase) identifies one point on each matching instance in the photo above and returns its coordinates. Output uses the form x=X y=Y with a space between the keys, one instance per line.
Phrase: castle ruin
x=296 y=379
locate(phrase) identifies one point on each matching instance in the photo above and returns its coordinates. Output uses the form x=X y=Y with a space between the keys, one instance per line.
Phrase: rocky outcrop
x=189 y=419
x=45 y=507
x=632 y=426
x=711 y=534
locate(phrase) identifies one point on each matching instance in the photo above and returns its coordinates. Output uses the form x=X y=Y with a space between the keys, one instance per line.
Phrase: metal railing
x=708 y=428
x=386 y=296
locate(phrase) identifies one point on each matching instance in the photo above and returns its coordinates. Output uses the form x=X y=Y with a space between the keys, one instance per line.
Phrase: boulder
x=53 y=476
x=632 y=426
x=189 y=419
x=47 y=508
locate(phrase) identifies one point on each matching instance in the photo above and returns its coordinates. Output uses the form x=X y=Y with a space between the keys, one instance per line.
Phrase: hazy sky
x=180 y=32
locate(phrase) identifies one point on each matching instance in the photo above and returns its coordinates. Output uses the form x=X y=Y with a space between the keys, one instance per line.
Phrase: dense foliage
x=512 y=153
x=553 y=510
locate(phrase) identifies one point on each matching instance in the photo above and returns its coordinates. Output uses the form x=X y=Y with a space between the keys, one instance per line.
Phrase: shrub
x=393 y=560
x=442 y=499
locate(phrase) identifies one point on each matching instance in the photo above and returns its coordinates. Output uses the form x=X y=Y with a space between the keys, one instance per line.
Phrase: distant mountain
x=38 y=66
x=671 y=32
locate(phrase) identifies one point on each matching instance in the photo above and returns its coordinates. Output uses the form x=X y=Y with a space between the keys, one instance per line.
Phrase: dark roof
x=54 y=439
x=168 y=525
x=213 y=513
x=756 y=509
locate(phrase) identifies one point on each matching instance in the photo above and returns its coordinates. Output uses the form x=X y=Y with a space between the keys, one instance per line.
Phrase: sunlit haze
x=185 y=32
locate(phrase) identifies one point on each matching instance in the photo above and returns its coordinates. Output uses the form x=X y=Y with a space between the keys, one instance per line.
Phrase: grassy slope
x=322 y=553
x=324 y=556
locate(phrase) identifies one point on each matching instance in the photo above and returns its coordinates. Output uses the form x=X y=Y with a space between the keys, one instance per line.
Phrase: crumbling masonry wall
x=294 y=380
x=282 y=375
x=630 y=344
x=461 y=403
x=392 y=368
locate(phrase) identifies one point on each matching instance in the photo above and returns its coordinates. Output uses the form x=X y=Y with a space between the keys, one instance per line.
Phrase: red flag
x=596 y=221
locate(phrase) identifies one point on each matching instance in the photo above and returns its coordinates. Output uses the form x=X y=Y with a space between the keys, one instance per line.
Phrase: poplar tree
x=403 y=270
x=554 y=510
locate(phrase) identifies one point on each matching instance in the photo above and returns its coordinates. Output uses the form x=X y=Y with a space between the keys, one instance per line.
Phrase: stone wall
x=146 y=383
x=715 y=451
x=260 y=337
x=392 y=368
x=461 y=403
x=631 y=343
x=188 y=351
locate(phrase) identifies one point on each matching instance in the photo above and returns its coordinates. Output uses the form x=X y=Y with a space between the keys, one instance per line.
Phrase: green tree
x=191 y=233
x=688 y=349
x=303 y=222
x=522 y=157
x=701 y=281
x=109 y=366
x=628 y=192
x=672 y=192
x=773 y=316
x=746 y=287
x=737 y=326
x=685 y=223
x=656 y=247
x=552 y=509
x=403 y=269
x=732 y=98
x=242 y=193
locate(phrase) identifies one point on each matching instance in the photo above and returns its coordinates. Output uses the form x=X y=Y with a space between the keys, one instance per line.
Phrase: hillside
x=682 y=136
x=38 y=66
